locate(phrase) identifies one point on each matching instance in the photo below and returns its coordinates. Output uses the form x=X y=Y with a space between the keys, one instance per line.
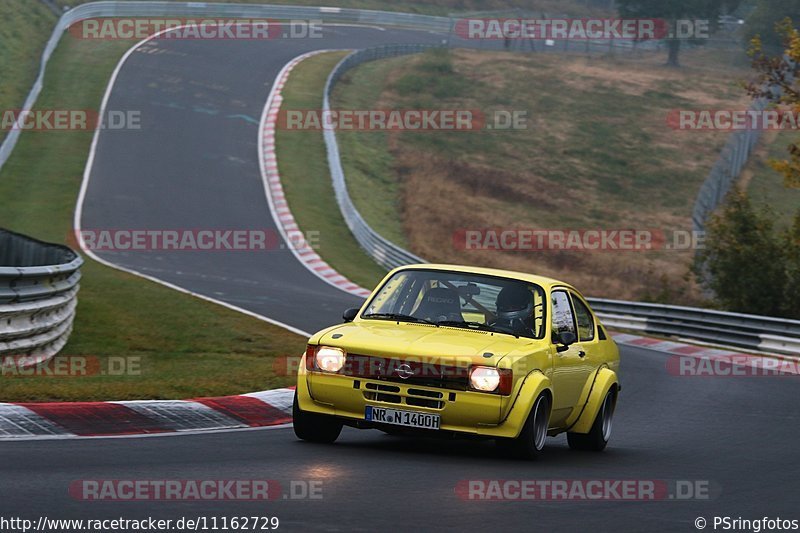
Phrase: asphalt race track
x=739 y=434
x=194 y=165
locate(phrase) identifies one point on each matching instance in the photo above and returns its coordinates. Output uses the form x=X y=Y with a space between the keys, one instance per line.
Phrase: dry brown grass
x=433 y=217
x=599 y=156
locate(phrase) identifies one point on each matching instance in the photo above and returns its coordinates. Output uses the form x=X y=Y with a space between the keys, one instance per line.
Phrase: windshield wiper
x=400 y=316
x=477 y=325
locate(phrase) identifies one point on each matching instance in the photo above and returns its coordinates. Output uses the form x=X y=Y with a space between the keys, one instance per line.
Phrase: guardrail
x=202 y=9
x=752 y=332
x=39 y=285
x=731 y=329
x=384 y=252
x=283 y=12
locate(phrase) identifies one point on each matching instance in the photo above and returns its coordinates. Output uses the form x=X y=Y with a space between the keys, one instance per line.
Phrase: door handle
x=581 y=353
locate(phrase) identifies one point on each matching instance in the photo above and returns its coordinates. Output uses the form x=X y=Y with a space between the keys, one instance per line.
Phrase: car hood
x=424 y=342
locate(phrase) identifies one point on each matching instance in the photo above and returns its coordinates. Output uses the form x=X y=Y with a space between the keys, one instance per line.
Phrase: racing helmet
x=515 y=306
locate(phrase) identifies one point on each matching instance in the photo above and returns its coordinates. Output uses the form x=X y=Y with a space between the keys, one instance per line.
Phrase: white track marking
x=82 y=197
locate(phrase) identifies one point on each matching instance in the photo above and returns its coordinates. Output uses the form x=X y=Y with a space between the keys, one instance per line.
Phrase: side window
x=562 y=314
x=584 y=319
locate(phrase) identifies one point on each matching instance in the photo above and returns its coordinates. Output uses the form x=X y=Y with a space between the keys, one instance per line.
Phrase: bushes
x=749 y=265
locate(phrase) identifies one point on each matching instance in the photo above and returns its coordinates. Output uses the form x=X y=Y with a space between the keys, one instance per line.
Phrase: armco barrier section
x=277 y=12
x=202 y=9
x=753 y=332
x=381 y=250
x=38 y=296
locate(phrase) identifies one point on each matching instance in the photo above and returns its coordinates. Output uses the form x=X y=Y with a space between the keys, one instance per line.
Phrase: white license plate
x=401 y=418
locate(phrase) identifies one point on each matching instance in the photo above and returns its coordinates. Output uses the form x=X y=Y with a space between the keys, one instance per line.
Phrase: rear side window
x=584 y=318
x=562 y=315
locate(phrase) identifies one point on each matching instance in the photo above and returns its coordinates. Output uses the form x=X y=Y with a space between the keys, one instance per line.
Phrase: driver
x=515 y=310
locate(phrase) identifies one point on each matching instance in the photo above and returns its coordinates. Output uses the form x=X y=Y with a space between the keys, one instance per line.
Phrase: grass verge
x=597 y=154
x=185 y=347
x=765 y=185
x=374 y=185
x=306 y=179
x=25 y=27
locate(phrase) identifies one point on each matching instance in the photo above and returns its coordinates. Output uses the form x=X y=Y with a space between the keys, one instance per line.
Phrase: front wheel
x=313 y=427
x=597 y=438
x=530 y=443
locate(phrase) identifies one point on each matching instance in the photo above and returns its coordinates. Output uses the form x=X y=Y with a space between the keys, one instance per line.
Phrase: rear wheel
x=530 y=442
x=597 y=438
x=313 y=427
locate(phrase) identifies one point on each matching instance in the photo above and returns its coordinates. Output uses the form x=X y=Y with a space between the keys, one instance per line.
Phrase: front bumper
x=346 y=397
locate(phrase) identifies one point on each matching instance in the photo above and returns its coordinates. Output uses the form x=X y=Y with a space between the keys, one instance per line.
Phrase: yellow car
x=442 y=349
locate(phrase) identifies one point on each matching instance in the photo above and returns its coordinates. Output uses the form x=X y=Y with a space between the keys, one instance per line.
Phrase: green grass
x=188 y=347
x=372 y=181
x=597 y=154
x=25 y=27
x=306 y=180
x=766 y=186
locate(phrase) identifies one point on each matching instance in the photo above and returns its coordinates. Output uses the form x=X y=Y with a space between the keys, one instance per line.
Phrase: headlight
x=329 y=359
x=484 y=378
x=490 y=379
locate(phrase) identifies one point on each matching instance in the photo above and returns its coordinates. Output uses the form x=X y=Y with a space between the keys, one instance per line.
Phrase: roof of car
x=539 y=280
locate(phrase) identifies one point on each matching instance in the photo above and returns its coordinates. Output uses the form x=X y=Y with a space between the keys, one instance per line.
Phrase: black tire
x=597 y=438
x=313 y=427
x=530 y=442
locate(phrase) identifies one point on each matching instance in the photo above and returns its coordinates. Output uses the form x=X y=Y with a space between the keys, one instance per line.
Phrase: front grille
x=430 y=398
x=381 y=387
x=382 y=392
x=427 y=393
x=405 y=372
x=381 y=397
x=424 y=402
x=378 y=392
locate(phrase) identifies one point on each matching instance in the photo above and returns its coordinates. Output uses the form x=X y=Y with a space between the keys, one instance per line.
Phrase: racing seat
x=440 y=304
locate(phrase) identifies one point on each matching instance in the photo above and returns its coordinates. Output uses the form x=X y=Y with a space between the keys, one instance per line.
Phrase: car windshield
x=458 y=299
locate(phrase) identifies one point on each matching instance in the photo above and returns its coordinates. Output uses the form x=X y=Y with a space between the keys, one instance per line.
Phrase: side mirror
x=350 y=314
x=566 y=338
